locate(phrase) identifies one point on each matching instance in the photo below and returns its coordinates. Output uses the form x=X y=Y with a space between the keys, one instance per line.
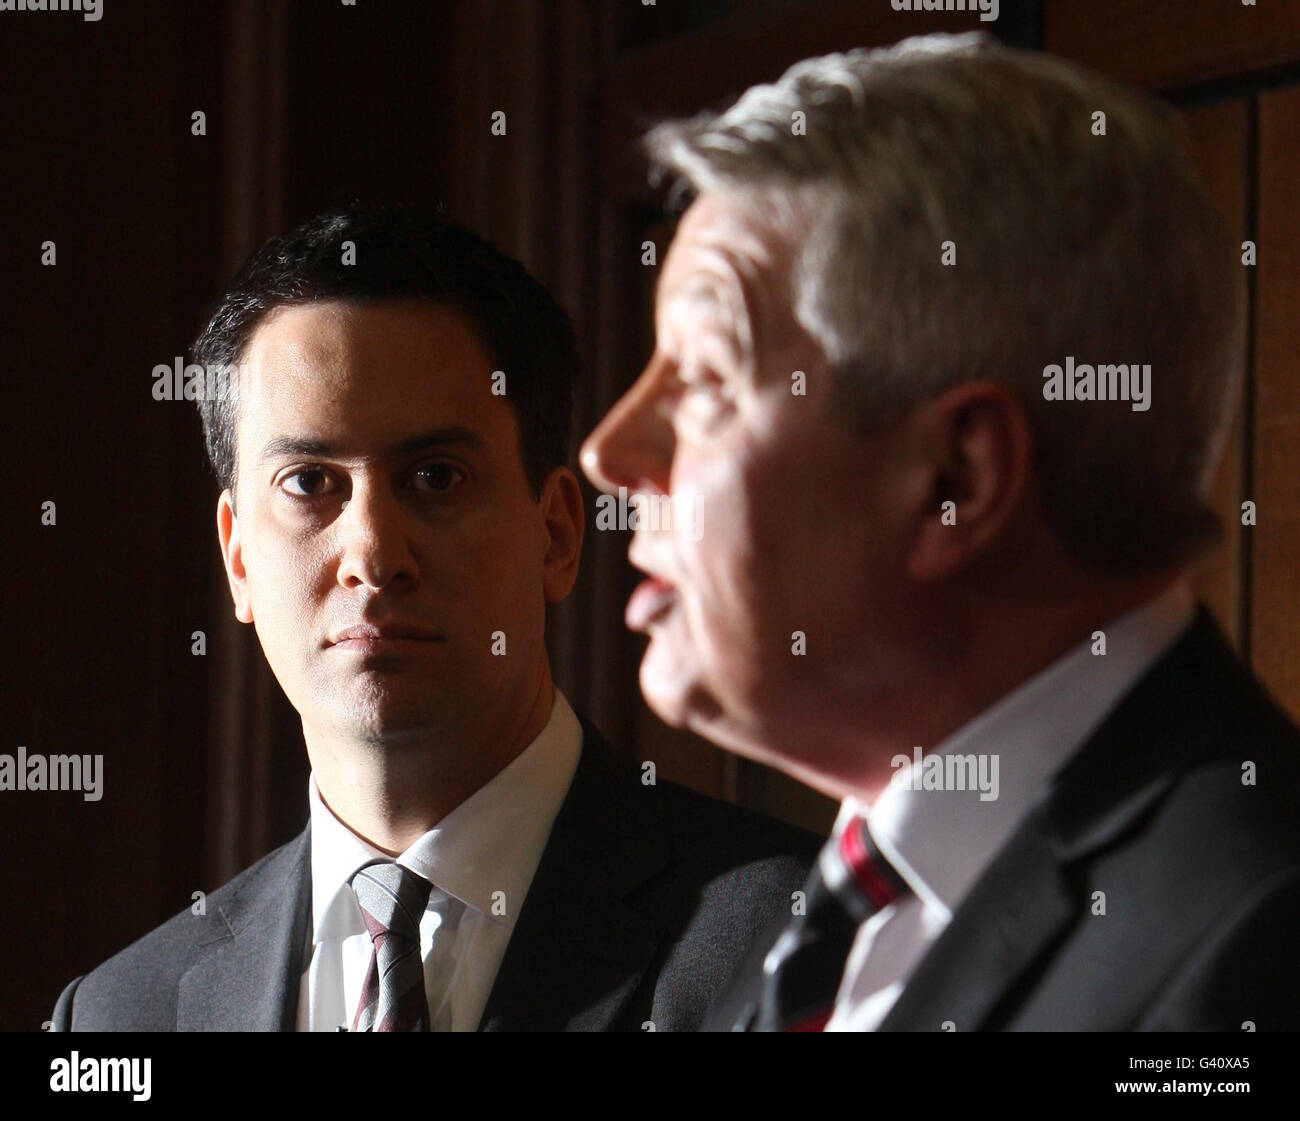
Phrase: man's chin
x=676 y=695
x=681 y=700
x=387 y=722
x=667 y=684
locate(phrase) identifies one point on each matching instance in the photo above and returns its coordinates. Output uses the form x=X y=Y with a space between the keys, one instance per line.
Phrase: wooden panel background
x=1275 y=576
x=1170 y=44
x=1219 y=135
x=1237 y=69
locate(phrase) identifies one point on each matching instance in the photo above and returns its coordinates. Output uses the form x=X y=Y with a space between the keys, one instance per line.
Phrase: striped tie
x=392 y=899
x=802 y=972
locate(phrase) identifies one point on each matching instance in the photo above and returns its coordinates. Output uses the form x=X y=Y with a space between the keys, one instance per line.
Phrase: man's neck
x=999 y=656
x=390 y=796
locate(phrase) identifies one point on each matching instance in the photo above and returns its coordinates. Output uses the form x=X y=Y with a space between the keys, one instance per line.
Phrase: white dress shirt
x=480 y=859
x=941 y=841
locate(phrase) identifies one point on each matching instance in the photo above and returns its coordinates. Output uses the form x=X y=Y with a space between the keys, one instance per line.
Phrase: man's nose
x=375 y=539
x=633 y=446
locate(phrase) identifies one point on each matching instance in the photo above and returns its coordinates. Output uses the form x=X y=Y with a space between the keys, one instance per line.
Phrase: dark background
x=311 y=104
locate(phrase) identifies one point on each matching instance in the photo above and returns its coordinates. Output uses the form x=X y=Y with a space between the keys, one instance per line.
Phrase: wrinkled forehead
x=730 y=266
x=745 y=231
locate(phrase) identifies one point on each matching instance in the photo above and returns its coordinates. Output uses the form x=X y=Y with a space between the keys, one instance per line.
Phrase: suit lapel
x=1018 y=909
x=249 y=975
x=579 y=950
x=1027 y=900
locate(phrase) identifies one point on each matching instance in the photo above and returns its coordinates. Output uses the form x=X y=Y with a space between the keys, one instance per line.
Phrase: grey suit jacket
x=645 y=900
x=1200 y=873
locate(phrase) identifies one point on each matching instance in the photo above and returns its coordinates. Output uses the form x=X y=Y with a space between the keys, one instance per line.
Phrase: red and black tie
x=802 y=972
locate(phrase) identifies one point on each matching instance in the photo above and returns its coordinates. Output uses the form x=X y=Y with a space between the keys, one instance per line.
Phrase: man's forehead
x=322 y=371
x=725 y=239
x=332 y=330
x=335 y=347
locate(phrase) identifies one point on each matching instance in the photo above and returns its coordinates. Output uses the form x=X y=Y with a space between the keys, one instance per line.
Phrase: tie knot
x=392 y=898
x=803 y=971
x=857 y=872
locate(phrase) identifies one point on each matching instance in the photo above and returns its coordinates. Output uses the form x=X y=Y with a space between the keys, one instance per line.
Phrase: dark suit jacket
x=1201 y=874
x=644 y=902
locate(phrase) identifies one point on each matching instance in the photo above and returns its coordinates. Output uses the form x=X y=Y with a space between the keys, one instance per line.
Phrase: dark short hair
x=404 y=254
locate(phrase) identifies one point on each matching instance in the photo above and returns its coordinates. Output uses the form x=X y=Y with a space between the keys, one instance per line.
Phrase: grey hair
x=1103 y=248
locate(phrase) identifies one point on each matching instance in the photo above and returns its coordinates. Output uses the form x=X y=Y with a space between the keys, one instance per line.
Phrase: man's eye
x=439 y=477
x=307 y=483
x=698 y=377
x=703 y=390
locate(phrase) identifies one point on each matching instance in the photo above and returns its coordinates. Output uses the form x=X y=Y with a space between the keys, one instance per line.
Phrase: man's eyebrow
x=697 y=289
x=694 y=292
x=284 y=446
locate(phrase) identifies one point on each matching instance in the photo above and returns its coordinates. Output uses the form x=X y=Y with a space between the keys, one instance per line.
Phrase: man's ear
x=563 y=523
x=978 y=440
x=232 y=554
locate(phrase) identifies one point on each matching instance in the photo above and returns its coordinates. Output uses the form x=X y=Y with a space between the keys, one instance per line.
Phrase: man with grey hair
x=946 y=350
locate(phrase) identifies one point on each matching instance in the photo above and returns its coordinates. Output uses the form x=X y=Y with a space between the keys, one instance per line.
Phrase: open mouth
x=650 y=602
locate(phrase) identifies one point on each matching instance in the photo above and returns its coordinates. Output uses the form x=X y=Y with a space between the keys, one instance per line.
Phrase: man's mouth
x=383 y=637
x=652 y=599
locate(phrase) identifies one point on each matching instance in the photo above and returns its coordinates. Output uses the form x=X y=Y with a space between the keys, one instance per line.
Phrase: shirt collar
x=490 y=843
x=941 y=841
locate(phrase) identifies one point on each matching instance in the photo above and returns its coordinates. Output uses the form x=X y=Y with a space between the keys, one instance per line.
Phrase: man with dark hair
x=395 y=514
